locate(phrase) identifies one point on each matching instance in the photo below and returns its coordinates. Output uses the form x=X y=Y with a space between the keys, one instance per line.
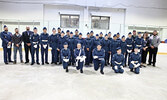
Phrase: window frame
x=100 y=22
x=69 y=15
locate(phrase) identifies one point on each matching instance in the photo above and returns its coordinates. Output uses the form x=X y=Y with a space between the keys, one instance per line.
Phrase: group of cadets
x=73 y=50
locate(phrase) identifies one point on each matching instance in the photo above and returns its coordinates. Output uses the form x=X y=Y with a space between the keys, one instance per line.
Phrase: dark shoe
x=81 y=71
x=153 y=65
x=14 y=62
x=26 y=62
x=55 y=63
x=149 y=64
x=101 y=72
x=46 y=63
x=52 y=62
x=60 y=63
x=131 y=70
x=42 y=63
x=72 y=64
x=22 y=61
x=38 y=63
x=32 y=63
x=6 y=63
x=11 y=61
x=66 y=69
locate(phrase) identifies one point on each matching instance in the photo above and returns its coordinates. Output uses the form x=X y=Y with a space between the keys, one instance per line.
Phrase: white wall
x=21 y=11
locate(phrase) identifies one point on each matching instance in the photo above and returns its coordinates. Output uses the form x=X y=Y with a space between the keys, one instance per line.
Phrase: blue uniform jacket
x=114 y=45
x=54 y=41
x=99 y=53
x=129 y=42
x=34 y=40
x=135 y=57
x=6 y=37
x=44 y=38
x=65 y=53
x=123 y=47
x=118 y=58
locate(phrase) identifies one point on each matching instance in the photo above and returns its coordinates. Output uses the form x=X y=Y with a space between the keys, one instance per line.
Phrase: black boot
x=22 y=61
x=131 y=70
x=6 y=63
x=32 y=63
x=67 y=69
x=101 y=71
x=46 y=63
x=81 y=71
x=38 y=63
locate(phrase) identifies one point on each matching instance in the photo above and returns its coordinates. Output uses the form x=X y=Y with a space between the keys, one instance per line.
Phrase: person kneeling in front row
x=118 y=61
x=135 y=61
x=98 y=58
x=79 y=57
x=65 y=56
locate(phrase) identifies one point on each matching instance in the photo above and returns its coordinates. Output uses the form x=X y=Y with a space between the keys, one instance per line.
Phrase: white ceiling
x=154 y=4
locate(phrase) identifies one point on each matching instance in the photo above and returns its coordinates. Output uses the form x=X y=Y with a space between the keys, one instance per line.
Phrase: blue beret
x=35 y=28
x=76 y=30
x=106 y=34
x=53 y=28
x=123 y=36
x=136 y=47
x=118 y=48
x=97 y=34
x=109 y=32
x=98 y=44
x=114 y=35
x=101 y=33
x=4 y=26
x=71 y=32
x=59 y=28
x=88 y=33
x=118 y=33
x=80 y=33
x=139 y=32
x=65 y=43
x=67 y=31
x=91 y=31
x=129 y=33
x=44 y=28
x=62 y=31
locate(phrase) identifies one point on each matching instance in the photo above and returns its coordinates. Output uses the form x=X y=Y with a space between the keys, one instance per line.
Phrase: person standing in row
x=114 y=45
x=129 y=42
x=71 y=46
x=153 y=48
x=145 y=49
x=123 y=46
x=61 y=41
x=44 y=41
x=17 y=40
x=88 y=47
x=6 y=44
x=35 y=46
x=27 y=45
x=106 y=46
x=54 y=44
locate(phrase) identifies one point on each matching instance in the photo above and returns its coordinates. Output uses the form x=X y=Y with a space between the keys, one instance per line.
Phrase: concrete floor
x=25 y=82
